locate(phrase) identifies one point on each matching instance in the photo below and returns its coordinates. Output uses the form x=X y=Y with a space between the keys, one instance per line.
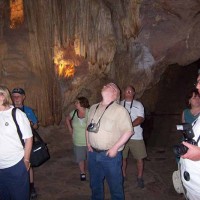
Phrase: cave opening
x=165 y=102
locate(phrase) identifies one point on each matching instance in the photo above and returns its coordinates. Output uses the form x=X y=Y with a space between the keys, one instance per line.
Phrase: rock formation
x=125 y=41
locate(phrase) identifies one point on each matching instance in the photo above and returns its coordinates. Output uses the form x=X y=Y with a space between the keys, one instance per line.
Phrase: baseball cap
x=18 y=90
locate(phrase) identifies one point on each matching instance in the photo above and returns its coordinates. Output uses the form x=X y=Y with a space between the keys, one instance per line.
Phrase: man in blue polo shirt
x=18 y=97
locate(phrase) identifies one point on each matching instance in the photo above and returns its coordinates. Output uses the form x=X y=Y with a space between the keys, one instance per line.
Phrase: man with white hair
x=109 y=127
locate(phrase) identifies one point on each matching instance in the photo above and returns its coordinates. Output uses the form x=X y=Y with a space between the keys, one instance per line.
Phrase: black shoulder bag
x=39 y=152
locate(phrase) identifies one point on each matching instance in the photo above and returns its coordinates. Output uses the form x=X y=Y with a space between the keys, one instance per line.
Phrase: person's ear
x=24 y=97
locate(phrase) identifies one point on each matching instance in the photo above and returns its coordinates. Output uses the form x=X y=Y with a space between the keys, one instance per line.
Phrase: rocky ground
x=58 y=178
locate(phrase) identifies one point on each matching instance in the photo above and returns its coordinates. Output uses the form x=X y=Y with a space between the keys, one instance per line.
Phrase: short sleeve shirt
x=137 y=110
x=11 y=149
x=113 y=124
x=30 y=114
x=79 y=126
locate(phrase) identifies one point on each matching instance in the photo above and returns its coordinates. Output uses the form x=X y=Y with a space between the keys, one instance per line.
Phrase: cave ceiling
x=58 y=50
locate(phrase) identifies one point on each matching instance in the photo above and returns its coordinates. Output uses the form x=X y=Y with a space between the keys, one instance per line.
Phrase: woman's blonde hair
x=4 y=90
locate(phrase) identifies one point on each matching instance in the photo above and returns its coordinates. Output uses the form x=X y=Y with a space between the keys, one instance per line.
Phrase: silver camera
x=93 y=127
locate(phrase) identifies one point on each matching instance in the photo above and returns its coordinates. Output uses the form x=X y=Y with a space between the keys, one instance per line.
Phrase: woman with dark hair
x=191 y=113
x=76 y=123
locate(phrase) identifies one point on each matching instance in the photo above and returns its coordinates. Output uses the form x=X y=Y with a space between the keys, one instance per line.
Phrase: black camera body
x=188 y=134
x=93 y=127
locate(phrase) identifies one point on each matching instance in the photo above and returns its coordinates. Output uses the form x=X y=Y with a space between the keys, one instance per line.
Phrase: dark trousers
x=14 y=182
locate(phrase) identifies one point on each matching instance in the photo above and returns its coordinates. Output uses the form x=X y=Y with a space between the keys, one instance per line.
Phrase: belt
x=98 y=150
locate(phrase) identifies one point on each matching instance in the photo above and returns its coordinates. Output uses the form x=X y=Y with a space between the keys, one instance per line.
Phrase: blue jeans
x=14 y=182
x=103 y=167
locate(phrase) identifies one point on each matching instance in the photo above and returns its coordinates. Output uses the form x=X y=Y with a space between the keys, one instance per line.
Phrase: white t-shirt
x=11 y=149
x=137 y=110
x=193 y=168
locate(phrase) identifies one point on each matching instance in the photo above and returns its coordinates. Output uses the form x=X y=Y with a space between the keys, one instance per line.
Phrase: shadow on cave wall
x=167 y=102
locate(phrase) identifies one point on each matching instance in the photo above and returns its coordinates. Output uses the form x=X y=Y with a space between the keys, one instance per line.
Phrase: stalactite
x=41 y=40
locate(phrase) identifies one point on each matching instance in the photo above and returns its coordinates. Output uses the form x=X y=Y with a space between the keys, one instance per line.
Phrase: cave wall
x=164 y=104
x=125 y=41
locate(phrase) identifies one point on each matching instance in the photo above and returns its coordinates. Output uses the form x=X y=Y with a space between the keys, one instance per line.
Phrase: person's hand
x=89 y=148
x=193 y=152
x=112 y=152
x=27 y=164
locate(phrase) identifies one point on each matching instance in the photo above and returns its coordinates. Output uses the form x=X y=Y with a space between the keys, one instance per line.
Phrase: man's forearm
x=123 y=139
x=138 y=121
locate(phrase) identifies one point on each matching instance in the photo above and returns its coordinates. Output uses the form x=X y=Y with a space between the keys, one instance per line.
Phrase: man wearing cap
x=109 y=127
x=18 y=97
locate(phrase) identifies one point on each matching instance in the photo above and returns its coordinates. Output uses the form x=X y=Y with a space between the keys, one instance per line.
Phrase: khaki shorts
x=137 y=149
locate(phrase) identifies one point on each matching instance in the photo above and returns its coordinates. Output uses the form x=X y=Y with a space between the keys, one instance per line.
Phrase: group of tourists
x=102 y=134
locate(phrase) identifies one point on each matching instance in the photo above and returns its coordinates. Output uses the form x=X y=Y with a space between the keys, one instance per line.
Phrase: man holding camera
x=190 y=161
x=109 y=127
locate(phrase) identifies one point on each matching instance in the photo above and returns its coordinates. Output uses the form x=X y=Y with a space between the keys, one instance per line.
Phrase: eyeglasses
x=129 y=91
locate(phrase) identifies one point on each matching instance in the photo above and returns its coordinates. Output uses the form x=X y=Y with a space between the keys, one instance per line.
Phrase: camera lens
x=180 y=149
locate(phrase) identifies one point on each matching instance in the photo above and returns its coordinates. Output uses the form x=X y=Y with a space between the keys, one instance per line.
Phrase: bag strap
x=17 y=125
x=35 y=133
x=73 y=115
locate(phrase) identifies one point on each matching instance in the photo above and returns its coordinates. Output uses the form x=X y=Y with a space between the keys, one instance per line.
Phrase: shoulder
x=118 y=107
x=186 y=110
x=137 y=103
x=122 y=102
x=29 y=111
x=93 y=106
x=73 y=112
x=26 y=108
x=19 y=113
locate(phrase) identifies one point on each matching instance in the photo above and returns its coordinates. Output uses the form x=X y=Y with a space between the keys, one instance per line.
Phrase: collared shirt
x=113 y=124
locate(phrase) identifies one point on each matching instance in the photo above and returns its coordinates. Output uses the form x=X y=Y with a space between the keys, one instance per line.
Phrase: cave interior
x=58 y=50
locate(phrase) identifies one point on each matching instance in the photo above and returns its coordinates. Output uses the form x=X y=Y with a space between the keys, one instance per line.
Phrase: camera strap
x=130 y=105
x=103 y=111
x=192 y=127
